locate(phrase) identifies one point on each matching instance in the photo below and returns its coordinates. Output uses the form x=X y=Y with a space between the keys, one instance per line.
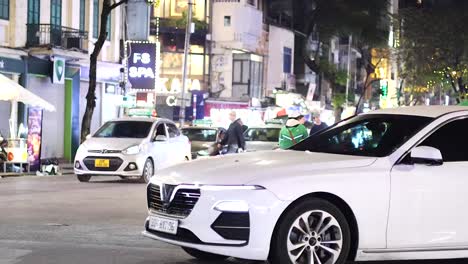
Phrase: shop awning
x=12 y=91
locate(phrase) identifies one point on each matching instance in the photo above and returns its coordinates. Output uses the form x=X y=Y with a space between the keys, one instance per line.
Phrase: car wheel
x=201 y=255
x=314 y=231
x=148 y=171
x=83 y=178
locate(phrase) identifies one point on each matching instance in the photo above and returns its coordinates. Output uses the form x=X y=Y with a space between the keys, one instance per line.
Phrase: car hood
x=251 y=168
x=110 y=143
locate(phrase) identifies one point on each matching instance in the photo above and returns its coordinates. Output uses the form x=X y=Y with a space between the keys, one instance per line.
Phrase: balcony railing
x=48 y=35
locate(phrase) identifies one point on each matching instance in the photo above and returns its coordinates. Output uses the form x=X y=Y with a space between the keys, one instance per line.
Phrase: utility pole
x=348 y=78
x=188 y=31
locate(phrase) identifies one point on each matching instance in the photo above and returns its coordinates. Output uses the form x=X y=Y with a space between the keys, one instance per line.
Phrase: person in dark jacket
x=318 y=125
x=234 y=137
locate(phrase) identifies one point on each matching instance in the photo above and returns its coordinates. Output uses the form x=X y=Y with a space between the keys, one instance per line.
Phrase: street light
x=188 y=31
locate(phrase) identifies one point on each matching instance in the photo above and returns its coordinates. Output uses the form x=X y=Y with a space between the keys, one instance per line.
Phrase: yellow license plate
x=101 y=163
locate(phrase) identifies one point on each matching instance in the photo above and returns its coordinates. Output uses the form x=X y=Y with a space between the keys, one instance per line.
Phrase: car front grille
x=114 y=163
x=180 y=206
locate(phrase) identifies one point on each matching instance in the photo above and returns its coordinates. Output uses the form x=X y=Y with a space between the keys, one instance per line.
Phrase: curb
x=15 y=175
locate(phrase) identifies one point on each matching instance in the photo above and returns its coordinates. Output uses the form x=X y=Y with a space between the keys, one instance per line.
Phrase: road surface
x=58 y=220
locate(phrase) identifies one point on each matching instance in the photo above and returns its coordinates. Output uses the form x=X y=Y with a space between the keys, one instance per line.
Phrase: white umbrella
x=12 y=91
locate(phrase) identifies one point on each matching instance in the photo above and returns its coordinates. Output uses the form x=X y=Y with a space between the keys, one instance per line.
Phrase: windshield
x=124 y=129
x=262 y=134
x=367 y=135
x=206 y=135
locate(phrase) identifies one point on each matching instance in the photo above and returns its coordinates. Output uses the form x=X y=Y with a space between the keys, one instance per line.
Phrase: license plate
x=162 y=224
x=101 y=163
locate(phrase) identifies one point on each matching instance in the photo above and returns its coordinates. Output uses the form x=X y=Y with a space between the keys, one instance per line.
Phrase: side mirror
x=160 y=138
x=88 y=136
x=427 y=155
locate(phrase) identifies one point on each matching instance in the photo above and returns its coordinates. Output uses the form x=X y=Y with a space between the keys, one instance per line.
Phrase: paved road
x=57 y=220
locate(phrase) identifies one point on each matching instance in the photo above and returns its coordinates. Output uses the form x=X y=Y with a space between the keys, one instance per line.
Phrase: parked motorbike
x=3 y=145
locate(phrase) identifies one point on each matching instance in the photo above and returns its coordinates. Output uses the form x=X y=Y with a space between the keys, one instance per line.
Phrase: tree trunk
x=400 y=92
x=107 y=7
x=363 y=92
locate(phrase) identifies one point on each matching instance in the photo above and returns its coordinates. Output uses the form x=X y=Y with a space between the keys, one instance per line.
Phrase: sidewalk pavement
x=65 y=169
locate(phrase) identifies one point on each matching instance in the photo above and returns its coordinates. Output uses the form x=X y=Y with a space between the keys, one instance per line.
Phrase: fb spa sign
x=141 y=65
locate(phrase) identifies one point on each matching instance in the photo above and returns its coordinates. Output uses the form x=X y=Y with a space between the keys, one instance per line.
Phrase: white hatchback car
x=131 y=147
x=386 y=185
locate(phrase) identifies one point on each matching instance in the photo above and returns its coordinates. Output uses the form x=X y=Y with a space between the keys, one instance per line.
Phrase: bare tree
x=107 y=7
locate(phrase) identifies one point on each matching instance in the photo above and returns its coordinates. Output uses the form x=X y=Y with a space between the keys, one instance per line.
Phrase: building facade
x=34 y=34
x=236 y=57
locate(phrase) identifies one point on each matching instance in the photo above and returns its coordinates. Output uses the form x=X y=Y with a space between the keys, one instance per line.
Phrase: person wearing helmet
x=293 y=132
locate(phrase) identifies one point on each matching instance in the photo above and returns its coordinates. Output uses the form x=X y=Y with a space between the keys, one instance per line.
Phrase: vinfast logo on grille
x=166 y=194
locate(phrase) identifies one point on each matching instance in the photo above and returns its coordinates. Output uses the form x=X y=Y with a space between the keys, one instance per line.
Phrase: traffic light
x=383 y=88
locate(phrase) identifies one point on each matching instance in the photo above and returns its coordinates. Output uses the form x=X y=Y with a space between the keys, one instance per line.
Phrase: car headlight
x=231 y=187
x=203 y=153
x=132 y=150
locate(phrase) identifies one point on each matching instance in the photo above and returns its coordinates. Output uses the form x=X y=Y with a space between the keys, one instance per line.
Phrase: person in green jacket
x=293 y=133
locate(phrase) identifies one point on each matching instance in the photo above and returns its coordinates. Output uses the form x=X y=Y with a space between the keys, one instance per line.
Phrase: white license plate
x=162 y=224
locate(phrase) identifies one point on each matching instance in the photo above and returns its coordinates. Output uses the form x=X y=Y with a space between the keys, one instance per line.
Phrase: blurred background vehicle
x=204 y=139
x=262 y=137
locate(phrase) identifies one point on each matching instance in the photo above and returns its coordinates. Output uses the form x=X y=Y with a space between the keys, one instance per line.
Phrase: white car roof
x=427 y=111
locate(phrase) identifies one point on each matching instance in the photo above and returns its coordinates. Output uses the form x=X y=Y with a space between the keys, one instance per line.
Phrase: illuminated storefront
x=168 y=23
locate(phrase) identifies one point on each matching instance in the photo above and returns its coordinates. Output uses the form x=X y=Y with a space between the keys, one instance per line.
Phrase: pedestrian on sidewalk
x=293 y=132
x=318 y=125
x=234 y=137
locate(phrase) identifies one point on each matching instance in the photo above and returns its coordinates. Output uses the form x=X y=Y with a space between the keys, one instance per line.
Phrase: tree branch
x=115 y=5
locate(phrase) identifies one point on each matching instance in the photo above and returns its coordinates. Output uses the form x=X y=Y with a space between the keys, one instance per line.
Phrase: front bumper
x=120 y=170
x=197 y=230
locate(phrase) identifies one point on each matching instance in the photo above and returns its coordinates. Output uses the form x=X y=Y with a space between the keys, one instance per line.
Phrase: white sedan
x=131 y=147
x=386 y=185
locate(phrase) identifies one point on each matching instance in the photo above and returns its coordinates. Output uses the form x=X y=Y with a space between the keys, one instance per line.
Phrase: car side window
x=160 y=130
x=173 y=130
x=450 y=140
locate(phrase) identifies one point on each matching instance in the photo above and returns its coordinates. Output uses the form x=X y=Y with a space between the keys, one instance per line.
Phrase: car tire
x=202 y=255
x=327 y=237
x=83 y=178
x=148 y=171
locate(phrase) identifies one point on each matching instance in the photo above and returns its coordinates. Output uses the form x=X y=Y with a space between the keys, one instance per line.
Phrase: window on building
x=4 y=9
x=34 y=11
x=247 y=78
x=227 y=21
x=96 y=18
x=56 y=12
x=82 y=15
x=108 y=26
x=287 y=60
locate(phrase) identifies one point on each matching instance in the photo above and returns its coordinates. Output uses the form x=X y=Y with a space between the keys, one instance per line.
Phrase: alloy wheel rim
x=148 y=171
x=315 y=237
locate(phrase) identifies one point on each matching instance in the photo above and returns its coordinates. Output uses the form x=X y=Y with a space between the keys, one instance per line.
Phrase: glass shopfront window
x=172 y=65
x=178 y=8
